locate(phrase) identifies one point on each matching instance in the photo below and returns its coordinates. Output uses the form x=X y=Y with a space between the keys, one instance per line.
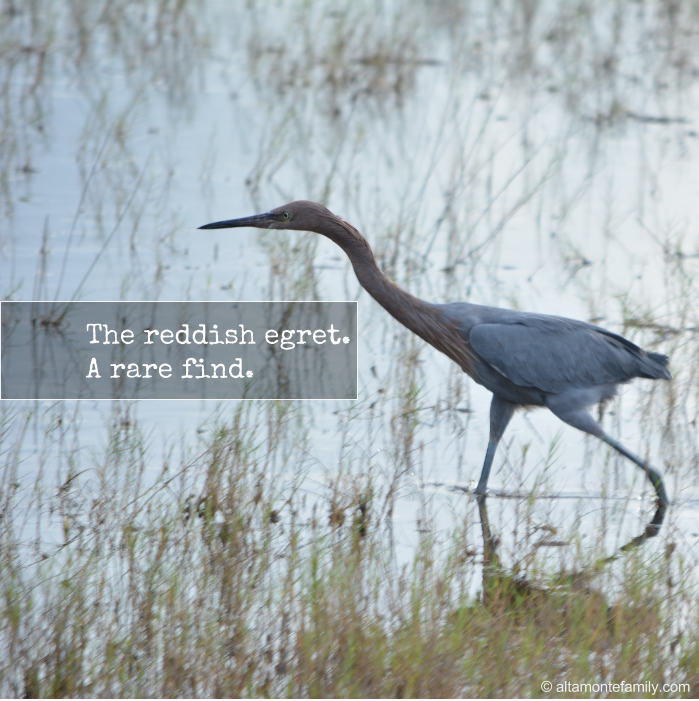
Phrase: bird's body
x=524 y=359
x=517 y=355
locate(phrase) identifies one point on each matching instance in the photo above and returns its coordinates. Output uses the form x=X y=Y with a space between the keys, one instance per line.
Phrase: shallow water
x=543 y=162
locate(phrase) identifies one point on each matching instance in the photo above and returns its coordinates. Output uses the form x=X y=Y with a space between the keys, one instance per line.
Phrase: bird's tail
x=657 y=367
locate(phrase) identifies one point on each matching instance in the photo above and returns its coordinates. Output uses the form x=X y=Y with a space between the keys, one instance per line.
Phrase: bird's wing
x=555 y=355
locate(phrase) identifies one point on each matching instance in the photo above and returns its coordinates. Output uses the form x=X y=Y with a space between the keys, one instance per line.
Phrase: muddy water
x=544 y=160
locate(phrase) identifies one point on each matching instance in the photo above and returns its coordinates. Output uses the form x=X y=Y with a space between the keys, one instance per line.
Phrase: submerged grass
x=215 y=579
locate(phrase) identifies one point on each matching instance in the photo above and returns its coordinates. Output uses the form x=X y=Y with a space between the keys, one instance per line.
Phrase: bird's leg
x=501 y=412
x=653 y=475
x=580 y=418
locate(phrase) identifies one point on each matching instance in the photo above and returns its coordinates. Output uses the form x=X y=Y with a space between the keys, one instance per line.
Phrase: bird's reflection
x=492 y=572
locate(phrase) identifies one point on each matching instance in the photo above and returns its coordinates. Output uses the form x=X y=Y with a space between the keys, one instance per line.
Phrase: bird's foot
x=658 y=485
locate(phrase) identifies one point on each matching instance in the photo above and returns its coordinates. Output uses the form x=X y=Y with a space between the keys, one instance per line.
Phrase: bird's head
x=300 y=216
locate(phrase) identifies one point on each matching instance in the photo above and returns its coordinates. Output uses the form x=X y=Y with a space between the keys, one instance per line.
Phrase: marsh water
x=537 y=156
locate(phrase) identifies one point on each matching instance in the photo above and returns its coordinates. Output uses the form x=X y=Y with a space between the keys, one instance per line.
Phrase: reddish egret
x=525 y=360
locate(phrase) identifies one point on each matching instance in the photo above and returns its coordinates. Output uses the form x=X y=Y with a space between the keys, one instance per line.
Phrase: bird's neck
x=413 y=312
x=394 y=299
x=422 y=318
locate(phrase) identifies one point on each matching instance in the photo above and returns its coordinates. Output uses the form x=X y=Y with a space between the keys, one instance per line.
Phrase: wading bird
x=525 y=360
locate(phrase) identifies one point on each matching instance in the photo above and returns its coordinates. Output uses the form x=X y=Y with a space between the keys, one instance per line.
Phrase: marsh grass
x=217 y=579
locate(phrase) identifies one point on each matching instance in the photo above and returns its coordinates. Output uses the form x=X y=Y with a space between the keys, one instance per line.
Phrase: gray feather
x=555 y=354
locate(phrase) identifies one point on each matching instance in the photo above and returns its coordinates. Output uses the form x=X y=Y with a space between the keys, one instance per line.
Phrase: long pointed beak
x=258 y=221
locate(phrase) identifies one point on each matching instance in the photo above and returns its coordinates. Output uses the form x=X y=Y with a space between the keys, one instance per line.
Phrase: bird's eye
x=286 y=216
